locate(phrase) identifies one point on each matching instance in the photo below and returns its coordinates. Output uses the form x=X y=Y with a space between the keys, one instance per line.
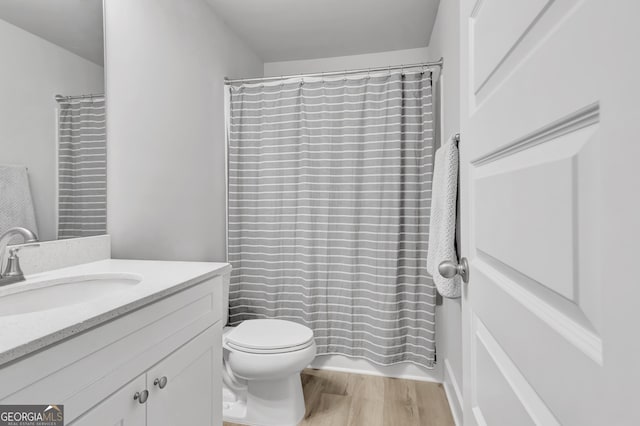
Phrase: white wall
x=33 y=71
x=338 y=63
x=445 y=42
x=165 y=63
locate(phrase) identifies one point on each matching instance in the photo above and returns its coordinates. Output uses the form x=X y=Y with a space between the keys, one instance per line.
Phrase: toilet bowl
x=262 y=361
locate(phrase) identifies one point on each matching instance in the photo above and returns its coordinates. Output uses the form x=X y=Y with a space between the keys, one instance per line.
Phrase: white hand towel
x=442 y=229
x=16 y=204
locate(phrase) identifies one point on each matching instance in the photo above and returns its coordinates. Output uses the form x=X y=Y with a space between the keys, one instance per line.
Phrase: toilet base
x=266 y=403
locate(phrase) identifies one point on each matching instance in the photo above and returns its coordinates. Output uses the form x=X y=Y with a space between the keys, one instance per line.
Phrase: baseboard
x=405 y=370
x=453 y=391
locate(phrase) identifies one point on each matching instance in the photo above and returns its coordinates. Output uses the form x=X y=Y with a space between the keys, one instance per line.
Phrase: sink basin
x=60 y=292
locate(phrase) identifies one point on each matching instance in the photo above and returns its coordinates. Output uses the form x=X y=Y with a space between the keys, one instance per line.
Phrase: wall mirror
x=52 y=118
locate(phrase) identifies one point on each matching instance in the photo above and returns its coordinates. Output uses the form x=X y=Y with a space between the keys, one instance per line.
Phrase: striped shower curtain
x=82 y=168
x=329 y=197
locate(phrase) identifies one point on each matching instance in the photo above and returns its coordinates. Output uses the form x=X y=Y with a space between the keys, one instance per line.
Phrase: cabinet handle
x=141 y=397
x=161 y=382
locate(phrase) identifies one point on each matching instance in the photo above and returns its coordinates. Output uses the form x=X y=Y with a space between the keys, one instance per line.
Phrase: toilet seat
x=262 y=362
x=269 y=336
x=268 y=351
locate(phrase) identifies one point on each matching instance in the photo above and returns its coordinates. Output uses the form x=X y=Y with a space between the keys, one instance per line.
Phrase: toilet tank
x=226 y=278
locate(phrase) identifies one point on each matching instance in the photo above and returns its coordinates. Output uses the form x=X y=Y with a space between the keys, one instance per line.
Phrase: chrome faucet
x=13 y=272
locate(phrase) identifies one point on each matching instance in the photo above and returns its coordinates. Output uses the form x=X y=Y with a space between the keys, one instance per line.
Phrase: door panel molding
x=495 y=37
x=535 y=25
x=583 y=117
x=546 y=355
x=489 y=352
x=558 y=319
x=541 y=201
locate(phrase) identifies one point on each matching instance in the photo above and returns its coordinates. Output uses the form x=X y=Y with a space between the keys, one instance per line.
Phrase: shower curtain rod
x=438 y=63
x=61 y=98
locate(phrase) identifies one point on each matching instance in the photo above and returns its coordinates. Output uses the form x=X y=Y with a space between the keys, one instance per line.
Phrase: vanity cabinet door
x=120 y=408
x=185 y=388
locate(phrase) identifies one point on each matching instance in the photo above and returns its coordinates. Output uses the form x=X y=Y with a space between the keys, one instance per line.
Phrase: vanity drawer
x=84 y=370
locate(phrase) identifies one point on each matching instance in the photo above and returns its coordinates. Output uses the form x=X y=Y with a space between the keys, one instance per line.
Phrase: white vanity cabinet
x=178 y=390
x=168 y=351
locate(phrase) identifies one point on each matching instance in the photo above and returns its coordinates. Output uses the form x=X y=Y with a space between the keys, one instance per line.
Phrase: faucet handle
x=13 y=269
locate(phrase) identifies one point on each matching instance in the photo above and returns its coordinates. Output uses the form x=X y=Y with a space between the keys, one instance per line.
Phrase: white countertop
x=24 y=333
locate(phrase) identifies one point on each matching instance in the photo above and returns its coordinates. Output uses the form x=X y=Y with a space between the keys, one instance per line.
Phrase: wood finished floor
x=344 y=399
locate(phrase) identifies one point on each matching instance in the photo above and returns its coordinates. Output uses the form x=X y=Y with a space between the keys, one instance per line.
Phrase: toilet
x=262 y=361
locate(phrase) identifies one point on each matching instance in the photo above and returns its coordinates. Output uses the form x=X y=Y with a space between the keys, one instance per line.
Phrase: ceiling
x=283 y=30
x=75 y=25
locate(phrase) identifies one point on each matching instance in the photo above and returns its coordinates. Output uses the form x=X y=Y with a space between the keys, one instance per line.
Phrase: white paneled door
x=550 y=190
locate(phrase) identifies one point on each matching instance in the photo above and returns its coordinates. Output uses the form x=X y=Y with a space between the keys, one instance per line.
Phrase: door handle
x=449 y=269
x=141 y=397
x=161 y=382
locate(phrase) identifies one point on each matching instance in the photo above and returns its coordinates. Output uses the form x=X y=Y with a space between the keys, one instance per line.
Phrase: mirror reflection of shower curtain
x=329 y=193
x=82 y=168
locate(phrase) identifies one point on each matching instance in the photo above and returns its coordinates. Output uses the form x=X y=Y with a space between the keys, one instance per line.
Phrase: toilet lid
x=269 y=334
